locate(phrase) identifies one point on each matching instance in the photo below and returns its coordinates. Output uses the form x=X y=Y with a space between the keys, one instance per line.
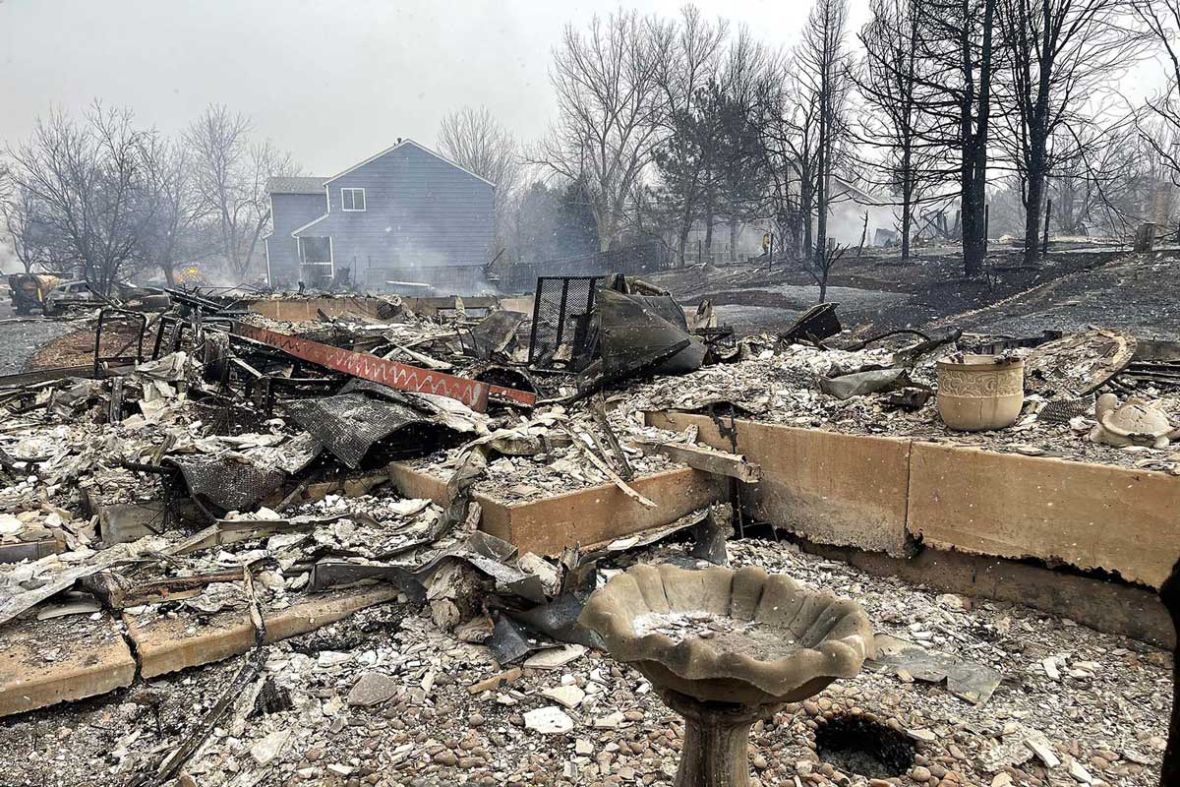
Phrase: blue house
x=404 y=215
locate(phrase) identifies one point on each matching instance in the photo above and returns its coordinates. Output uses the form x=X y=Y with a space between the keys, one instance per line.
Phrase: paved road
x=21 y=336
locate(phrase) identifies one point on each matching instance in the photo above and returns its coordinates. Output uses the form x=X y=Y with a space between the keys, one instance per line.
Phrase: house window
x=352 y=199
x=315 y=250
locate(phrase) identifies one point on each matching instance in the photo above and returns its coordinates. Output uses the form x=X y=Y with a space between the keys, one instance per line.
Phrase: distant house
x=404 y=215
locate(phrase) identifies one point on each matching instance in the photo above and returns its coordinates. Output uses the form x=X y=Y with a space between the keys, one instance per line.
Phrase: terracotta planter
x=981 y=392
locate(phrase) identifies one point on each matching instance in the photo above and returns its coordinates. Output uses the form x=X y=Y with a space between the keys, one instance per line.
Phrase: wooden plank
x=1090 y=516
x=708 y=460
x=839 y=489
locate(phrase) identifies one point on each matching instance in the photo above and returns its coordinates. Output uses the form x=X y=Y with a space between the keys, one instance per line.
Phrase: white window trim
x=364 y=200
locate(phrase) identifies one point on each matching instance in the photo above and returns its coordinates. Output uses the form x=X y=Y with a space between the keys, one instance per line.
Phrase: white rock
x=1043 y=750
x=269 y=747
x=566 y=696
x=1050 y=665
x=10 y=525
x=1079 y=772
x=549 y=720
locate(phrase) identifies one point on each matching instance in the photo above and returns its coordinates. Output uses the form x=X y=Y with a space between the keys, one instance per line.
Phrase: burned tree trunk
x=1034 y=199
x=976 y=119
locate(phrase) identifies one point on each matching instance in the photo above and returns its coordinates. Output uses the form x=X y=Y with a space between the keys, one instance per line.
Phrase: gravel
x=21 y=338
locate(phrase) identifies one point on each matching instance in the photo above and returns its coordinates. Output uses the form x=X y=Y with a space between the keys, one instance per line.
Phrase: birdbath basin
x=725 y=648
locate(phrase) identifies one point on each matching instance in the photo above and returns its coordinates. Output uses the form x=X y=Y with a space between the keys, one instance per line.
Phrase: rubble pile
x=212 y=550
x=386 y=697
x=785 y=388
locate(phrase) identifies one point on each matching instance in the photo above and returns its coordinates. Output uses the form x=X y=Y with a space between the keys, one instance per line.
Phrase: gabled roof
x=295 y=232
x=295 y=185
x=403 y=143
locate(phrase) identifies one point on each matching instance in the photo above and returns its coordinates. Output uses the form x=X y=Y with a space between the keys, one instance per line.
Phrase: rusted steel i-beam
x=401 y=376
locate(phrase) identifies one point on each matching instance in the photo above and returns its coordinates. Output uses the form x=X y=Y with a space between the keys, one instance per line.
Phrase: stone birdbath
x=725 y=648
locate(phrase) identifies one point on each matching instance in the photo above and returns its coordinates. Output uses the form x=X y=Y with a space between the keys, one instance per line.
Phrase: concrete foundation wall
x=1087 y=515
x=831 y=488
x=585 y=517
x=878 y=493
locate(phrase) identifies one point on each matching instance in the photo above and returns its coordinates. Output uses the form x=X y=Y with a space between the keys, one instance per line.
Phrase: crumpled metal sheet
x=228 y=480
x=495 y=332
x=847 y=386
x=351 y=424
x=449 y=412
x=646 y=332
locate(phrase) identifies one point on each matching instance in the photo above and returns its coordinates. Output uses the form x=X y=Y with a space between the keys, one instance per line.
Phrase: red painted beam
x=403 y=377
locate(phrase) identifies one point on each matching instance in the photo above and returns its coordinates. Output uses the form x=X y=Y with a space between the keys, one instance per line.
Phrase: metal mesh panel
x=227 y=481
x=561 y=317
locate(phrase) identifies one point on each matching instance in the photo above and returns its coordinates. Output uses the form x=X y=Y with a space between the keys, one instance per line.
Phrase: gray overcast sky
x=331 y=81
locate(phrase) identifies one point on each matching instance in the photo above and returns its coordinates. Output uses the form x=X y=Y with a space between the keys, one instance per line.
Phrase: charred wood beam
x=706 y=460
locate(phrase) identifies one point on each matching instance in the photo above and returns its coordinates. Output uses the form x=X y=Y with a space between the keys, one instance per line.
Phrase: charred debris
x=264 y=467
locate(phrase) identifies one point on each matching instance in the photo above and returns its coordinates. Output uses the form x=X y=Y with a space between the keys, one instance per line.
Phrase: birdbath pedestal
x=716 y=739
x=725 y=648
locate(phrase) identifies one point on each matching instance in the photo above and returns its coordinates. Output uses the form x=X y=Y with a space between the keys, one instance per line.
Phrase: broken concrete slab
x=967 y=680
x=46 y=662
x=568 y=697
x=549 y=720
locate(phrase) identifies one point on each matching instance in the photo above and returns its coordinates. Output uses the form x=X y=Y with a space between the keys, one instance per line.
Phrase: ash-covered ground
x=1100 y=703
x=21 y=337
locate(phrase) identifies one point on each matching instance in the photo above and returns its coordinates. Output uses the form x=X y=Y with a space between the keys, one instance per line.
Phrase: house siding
x=288 y=213
x=424 y=220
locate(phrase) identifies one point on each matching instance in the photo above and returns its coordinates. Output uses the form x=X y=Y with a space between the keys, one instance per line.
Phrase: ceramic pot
x=982 y=392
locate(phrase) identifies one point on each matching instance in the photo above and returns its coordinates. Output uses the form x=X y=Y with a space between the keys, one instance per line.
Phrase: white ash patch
x=724 y=633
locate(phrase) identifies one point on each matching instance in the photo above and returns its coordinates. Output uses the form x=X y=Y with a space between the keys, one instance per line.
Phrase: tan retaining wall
x=871 y=492
x=1007 y=505
x=583 y=517
x=832 y=488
